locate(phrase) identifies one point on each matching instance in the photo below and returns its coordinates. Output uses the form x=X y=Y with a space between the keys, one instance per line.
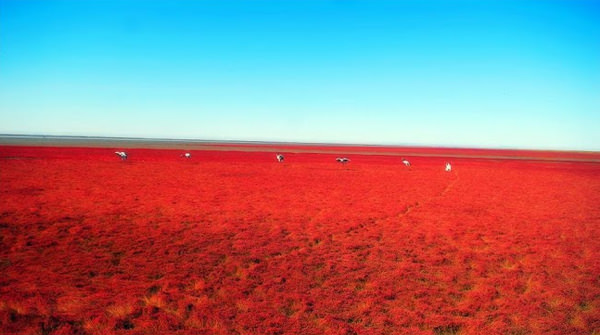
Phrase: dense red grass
x=235 y=243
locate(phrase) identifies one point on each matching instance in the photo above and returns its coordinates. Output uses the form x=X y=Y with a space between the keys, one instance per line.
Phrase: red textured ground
x=235 y=243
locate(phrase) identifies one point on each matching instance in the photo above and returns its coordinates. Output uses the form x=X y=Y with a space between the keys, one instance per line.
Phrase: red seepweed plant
x=231 y=242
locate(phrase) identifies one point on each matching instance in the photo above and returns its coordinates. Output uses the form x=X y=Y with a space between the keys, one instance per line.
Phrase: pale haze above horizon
x=497 y=74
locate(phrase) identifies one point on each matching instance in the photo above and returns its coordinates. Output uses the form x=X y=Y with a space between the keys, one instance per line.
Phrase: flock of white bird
x=345 y=160
x=280 y=158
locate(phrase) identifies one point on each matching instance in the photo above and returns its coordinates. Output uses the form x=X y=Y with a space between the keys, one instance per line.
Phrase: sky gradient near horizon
x=500 y=74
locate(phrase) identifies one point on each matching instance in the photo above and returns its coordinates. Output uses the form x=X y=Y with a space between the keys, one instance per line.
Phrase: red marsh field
x=233 y=242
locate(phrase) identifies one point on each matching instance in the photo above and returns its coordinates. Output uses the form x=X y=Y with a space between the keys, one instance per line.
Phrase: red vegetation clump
x=232 y=242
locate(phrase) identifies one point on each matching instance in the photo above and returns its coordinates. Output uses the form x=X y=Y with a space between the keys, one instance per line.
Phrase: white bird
x=121 y=154
x=448 y=167
x=187 y=155
x=279 y=158
x=405 y=162
x=342 y=160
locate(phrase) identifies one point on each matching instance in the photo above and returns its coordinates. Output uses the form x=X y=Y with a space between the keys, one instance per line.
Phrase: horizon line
x=66 y=138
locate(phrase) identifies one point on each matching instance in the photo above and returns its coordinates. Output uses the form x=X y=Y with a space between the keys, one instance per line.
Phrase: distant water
x=12 y=137
x=56 y=139
x=103 y=140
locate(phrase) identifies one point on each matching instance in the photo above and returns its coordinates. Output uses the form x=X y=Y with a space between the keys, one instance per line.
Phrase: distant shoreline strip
x=317 y=148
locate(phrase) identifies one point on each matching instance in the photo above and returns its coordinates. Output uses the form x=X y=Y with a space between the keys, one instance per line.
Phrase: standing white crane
x=187 y=155
x=405 y=162
x=448 y=167
x=121 y=154
x=279 y=157
x=342 y=160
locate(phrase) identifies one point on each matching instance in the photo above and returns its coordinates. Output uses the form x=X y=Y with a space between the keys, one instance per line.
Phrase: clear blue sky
x=450 y=73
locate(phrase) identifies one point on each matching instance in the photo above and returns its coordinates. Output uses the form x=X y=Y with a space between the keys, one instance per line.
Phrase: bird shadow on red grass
x=236 y=243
